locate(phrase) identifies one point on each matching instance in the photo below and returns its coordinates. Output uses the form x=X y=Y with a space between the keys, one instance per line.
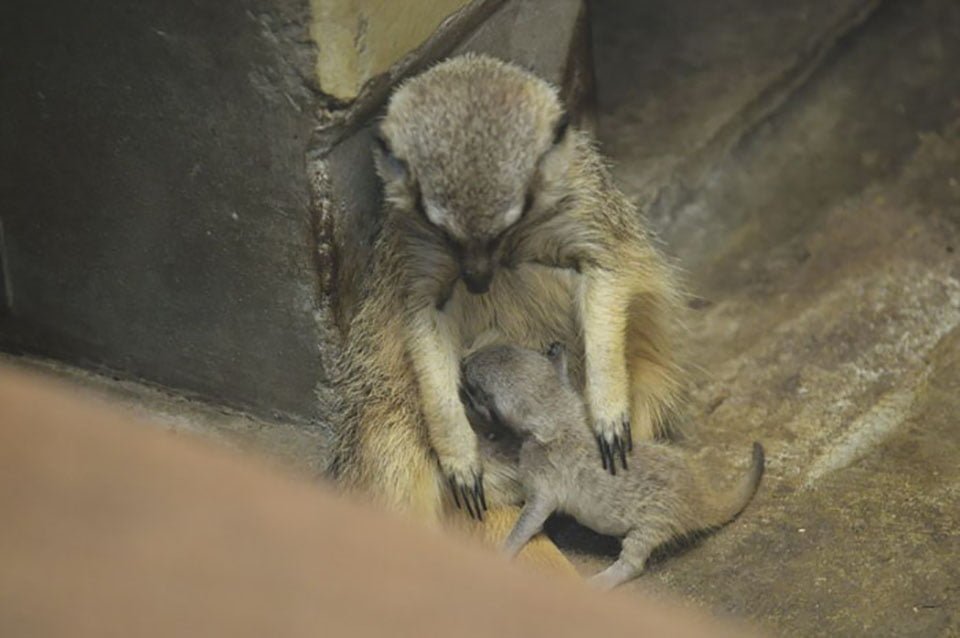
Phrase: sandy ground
x=822 y=251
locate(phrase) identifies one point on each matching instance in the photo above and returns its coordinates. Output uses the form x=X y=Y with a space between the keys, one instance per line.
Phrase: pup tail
x=726 y=506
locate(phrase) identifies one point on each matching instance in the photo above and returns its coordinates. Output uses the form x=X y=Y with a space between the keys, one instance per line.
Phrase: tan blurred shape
x=110 y=528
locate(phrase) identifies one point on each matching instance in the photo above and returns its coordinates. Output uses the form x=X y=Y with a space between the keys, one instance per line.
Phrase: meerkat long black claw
x=603 y=454
x=606 y=454
x=628 y=435
x=475 y=496
x=466 y=500
x=463 y=496
x=476 y=504
x=472 y=506
x=623 y=452
x=478 y=494
x=611 y=456
x=453 y=488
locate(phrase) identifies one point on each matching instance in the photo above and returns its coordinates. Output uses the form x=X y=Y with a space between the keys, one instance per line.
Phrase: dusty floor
x=809 y=186
x=824 y=253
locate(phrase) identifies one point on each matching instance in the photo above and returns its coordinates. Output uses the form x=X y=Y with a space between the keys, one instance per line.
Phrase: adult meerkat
x=498 y=217
x=659 y=496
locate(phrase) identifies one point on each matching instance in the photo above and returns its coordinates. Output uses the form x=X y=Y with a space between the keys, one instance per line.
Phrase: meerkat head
x=521 y=389
x=466 y=148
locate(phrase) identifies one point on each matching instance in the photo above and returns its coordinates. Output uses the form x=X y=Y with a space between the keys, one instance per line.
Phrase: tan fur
x=539 y=553
x=467 y=144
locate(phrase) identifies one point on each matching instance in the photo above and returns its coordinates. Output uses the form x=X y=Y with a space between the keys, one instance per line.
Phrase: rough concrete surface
x=359 y=39
x=822 y=255
x=153 y=198
x=302 y=449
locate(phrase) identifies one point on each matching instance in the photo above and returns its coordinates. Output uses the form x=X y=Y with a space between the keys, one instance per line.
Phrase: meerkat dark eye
x=453 y=245
x=527 y=203
x=496 y=417
x=393 y=167
x=492 y=244
x=381 y=141
x=560 y=128
x=418 y=205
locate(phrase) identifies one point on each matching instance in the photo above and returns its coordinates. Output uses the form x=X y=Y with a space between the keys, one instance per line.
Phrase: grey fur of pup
x=661 y=496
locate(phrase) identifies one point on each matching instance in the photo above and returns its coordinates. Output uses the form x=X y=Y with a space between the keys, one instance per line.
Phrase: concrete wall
x=152 y=193
x=360 y=39
x=156 y=164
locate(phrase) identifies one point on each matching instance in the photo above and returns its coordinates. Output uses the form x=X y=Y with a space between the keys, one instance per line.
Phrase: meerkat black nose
x=477 y=282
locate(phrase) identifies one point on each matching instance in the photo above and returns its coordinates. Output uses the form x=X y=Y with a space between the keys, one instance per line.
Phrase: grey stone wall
x=152 y=194
x=177 y=205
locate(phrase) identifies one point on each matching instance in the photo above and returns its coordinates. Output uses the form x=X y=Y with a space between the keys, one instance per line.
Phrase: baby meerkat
x=658 y=497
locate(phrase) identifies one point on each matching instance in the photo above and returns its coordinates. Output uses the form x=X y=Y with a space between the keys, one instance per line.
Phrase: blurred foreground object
x=114 y=528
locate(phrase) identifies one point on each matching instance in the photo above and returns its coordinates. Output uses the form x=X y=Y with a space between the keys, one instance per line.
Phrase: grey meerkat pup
x=658 y=494
x=498 y=216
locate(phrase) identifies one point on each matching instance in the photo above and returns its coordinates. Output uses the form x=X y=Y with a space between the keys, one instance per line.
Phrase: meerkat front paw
x=614 y=440
x=465 y=478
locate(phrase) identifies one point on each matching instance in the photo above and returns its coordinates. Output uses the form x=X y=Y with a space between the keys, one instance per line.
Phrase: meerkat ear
x=560 y=128
x=557 y=353
x=554 y=164
x=389 y=166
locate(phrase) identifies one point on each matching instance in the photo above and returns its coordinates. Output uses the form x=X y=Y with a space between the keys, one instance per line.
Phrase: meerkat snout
x=477 y=267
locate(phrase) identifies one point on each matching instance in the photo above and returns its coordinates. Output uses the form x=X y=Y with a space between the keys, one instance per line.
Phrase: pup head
x=519 y=389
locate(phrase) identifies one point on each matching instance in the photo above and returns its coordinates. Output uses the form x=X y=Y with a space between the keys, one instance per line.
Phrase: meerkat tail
x=729 y=505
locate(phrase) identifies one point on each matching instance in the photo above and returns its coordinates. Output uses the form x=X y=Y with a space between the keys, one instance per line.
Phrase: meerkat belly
x=530 y=306
x=589 y=494
x=599 y=514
